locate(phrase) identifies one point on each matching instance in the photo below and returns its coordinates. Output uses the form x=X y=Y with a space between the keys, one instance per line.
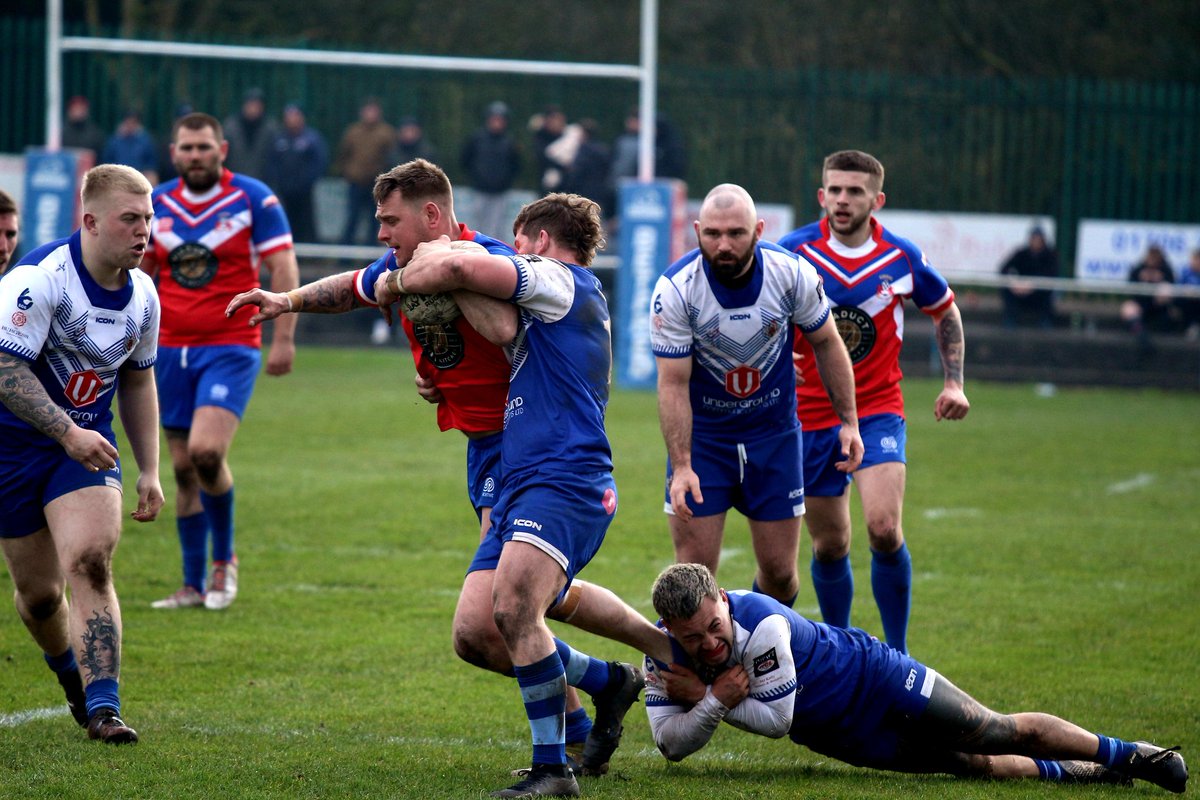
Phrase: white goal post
x=644 y=73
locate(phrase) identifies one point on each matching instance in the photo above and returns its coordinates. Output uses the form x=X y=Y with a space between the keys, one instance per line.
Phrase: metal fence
x=1066 y=148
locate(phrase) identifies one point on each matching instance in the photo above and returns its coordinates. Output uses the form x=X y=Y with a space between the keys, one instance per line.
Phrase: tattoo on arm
x=331 y=295
x=101 y=647
x=950 y=345
x=25 y=396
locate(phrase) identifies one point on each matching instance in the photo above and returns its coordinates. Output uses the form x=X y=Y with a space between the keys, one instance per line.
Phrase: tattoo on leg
x=101 y=645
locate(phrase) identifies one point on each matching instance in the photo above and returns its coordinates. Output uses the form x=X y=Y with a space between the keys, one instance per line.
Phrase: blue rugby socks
x=544 y=692
x=834 y=584
x=891 y=582
x=193 y=541
x=219 y=510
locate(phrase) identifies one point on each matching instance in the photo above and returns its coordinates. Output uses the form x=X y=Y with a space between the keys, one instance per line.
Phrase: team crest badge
x=884 y=290
x=767 y=662
x=19 y=318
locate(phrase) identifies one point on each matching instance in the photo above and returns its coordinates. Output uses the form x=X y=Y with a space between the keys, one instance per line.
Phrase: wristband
x=397 y=285
x=295 y=300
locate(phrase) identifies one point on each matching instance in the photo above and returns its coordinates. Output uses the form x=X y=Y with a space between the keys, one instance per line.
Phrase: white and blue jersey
x=740 y=339
x=561 y=363
x=74 y=333
x=838 y=691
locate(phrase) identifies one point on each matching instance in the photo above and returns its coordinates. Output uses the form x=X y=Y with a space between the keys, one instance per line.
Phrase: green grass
x=1054 y=543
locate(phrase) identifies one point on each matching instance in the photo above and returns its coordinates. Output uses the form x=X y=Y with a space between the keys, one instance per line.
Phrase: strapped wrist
x=295 y=300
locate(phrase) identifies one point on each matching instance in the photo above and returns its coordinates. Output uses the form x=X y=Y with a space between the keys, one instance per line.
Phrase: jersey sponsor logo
x=857 y=330
x=767 y=662
x=25 y=301
x=441 y=344
x=911 y=680
x=106 y=320
x=736 y=317
x=192 y=265
x=743 y=381
x=528 y=523
x=19 y=318
x=83 y=388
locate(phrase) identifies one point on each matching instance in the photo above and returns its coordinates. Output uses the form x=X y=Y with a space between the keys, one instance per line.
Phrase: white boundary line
x=32 y=715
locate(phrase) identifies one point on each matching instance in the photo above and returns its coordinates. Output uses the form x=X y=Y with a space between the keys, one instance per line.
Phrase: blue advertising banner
x=651 y=236
x=51 y=194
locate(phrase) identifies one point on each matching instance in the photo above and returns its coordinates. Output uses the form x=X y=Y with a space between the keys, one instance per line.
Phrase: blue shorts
x=894 y=693
x=215 y=375
x=762 y=479
x=884 y=437
x=483 y=471
x=33 y=476
x=564 y=516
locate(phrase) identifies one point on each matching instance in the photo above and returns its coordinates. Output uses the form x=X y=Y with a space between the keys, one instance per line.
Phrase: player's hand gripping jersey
x=75 y=334
x=741 y=339
x=207 y=248
x=469 y=371
x=866 y=288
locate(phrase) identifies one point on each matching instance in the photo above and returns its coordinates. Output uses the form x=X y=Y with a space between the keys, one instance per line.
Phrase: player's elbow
x=672 y=752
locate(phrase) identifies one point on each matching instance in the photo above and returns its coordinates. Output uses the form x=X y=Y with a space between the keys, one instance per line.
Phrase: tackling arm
x=437 y=267
x=952 y=402
x=331 y=295
x=495 y=319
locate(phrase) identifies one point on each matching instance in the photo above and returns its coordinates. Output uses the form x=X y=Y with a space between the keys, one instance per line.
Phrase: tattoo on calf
x=101 y=647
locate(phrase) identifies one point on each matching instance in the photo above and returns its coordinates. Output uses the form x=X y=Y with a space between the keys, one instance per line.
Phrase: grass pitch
x=1054 y=543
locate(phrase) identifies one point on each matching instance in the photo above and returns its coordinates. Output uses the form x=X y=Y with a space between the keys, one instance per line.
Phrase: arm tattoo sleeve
x=950 y=345
x=27 y=398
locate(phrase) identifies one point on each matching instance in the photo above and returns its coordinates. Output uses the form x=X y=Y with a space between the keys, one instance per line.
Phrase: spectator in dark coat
x=80 y=130
x=298 y=160
x=492 y=160
x=132 y=146
x=251 y=135
x=1024 y=304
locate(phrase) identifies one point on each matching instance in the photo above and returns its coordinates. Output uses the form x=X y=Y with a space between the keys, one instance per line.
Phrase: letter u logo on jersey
x=743 y=381
x=83 y=388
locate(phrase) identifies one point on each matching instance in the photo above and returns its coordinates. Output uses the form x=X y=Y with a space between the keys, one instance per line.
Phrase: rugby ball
x=437 y=308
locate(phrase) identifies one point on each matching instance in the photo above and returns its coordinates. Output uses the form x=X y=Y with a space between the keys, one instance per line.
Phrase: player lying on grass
x=744 y=658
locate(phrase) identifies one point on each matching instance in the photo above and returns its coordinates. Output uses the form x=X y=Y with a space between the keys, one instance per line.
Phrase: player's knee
x=207 y=463
x=94 y=566
x=41 y=604
x=884 y=533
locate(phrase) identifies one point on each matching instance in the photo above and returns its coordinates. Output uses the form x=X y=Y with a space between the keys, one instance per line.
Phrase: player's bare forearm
x=285 y=276
x=25 y=396
x=836 y=371
x=495 y=319
x=950 y=343
x=675 y=409
x=137 y=403
x=332 y=295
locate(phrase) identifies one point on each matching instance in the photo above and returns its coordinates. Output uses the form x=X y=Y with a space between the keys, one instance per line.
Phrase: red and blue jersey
x=208 y=247
x=866 y=287
x=471 y=372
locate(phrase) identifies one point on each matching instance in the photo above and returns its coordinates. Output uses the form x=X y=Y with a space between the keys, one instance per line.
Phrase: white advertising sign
x=957 y=243
x=1107 y=249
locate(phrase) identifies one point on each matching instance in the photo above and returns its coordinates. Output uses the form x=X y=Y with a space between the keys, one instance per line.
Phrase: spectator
x=362 y=154
x=299 y=158
x=1190 y=306
x=1147 y=313
x=1022 y=302
x=80 y=130
x=251 y=134
x=411 y=143
x=588 y=172
x=132 y=146
x=670 y=155
x=492 y=160
x=549 y=127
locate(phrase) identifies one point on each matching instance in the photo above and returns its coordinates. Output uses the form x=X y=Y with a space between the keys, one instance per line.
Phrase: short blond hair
x=108 y=179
